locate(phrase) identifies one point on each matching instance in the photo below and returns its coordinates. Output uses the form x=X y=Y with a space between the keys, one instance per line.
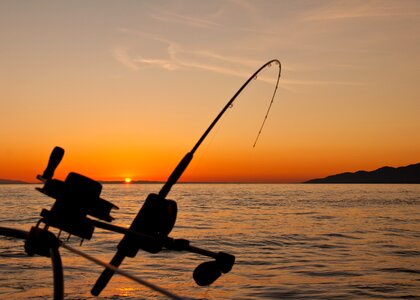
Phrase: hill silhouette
x=407 y=174
x=8 y=181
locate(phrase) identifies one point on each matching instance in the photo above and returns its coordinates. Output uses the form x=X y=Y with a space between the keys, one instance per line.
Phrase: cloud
x=121 y=55
x=179 y=58
x=341 y=10
x=185 y=20
x=174 y=56
x=319 y=82
x=163 y=63
x=172 y=49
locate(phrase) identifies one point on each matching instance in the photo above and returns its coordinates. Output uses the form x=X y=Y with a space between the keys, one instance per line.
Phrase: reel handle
x=55 y=159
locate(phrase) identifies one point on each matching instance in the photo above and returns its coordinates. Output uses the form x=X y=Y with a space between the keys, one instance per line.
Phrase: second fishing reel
x=76 y=198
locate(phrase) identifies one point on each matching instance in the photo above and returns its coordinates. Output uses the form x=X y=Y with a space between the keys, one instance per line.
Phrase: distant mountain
x=8 y=181
x=407 y=174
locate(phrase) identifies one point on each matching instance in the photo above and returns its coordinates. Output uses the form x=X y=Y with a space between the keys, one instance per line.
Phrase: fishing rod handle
x=107 y=274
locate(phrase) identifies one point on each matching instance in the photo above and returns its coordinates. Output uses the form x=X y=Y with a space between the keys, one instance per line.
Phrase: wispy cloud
x=185 y=20
x=179 y=58
x=340 y=10
x=175 y=56
x=260 y=37
x=245 y=5
x=163 y=63
x=319 y=82
x=121 y=55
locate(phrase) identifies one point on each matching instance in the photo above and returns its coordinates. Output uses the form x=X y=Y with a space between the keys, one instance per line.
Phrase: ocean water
x=292 y=241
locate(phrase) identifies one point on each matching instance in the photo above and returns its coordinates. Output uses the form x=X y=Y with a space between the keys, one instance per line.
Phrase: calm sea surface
x=290 y=242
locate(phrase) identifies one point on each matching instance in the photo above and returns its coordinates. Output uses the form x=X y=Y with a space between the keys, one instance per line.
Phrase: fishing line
x=122 y=272
x=208 y=146
x=58 y=271
x=269 y=107
x=185 y=161
x=229 y=105
x=231 y=101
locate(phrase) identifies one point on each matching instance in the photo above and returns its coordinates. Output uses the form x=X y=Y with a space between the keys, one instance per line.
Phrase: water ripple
x=290 y=242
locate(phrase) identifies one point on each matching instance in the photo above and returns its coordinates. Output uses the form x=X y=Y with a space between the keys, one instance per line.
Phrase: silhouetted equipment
x=55 y=159
x=42 y=242
x=206 y=273
x=76 y=198
x=156 y=218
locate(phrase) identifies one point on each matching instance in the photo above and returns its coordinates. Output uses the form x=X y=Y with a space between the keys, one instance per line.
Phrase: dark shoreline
x=386 y=175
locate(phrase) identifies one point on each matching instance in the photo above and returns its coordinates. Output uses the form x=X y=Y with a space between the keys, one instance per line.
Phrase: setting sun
x=127 y=180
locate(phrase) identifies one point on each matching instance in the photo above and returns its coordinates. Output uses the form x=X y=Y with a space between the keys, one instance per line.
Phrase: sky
x=128 y=87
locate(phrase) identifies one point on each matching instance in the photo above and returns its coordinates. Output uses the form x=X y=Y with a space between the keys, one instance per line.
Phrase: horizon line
x=8 y=181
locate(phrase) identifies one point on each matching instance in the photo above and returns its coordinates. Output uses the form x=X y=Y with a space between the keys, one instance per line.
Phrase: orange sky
x=128 y=87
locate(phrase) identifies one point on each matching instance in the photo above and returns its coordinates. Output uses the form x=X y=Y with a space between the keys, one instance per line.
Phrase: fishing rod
x=157 y=216
x=77 y=199
x=183 y=164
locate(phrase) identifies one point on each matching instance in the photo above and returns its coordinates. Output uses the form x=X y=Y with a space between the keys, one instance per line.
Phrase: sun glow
x=127 y=180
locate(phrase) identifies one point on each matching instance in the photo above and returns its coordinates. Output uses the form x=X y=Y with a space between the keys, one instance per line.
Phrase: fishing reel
x=76 y=198
x=156 y=218
x=149 y=232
